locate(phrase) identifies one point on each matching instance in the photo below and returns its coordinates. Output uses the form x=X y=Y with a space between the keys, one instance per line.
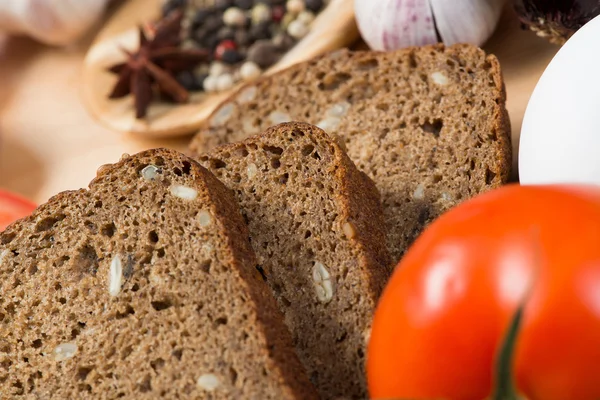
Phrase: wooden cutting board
x=49 y=142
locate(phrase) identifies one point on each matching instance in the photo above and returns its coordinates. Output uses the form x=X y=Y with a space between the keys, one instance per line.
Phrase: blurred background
x=50 y=143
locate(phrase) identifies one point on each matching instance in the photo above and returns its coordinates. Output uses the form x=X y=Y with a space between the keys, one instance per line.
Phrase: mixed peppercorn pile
x=209 y=45
x=243 y=37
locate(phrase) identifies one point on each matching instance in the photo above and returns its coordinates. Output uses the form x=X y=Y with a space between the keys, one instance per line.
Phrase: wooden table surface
x=49 y=143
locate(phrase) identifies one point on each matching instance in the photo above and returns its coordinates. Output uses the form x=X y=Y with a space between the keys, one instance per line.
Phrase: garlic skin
x=55 y=22
x=466 y=21
x=395 y=24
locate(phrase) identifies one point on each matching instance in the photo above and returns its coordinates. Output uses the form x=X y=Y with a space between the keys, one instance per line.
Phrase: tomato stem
x=505 y=389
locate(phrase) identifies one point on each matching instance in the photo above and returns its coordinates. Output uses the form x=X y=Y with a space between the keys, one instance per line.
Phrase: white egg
x=560 y=137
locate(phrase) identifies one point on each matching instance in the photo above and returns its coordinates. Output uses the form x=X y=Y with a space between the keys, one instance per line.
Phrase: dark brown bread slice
x=317 y=228
x=428 y=125
x=187 y=307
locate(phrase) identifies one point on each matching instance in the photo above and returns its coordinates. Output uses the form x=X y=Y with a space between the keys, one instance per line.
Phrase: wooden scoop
x=333 y=28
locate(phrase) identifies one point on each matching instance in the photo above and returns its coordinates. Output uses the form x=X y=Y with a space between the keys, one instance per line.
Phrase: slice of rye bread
x=143 y=286
x=428 y=125
x=316 y=226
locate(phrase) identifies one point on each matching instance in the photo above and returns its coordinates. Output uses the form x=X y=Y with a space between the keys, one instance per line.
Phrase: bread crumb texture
x=142 y=287
x=316 y=226
x=428 y=125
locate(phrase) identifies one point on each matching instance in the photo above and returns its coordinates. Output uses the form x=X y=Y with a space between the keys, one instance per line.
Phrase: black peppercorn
x=314 y=5
x=211 y=42
x=199 y=18
x=213 y=23
x=223 y=5
x=189 y=81
x=231 y=57
x=226 y=33
x=261 y=31
x=244 y=4
x=263 y=53
x=243 y=38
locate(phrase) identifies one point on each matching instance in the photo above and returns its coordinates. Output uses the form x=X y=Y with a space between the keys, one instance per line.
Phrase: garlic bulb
x=56 y=22
x=394 y=24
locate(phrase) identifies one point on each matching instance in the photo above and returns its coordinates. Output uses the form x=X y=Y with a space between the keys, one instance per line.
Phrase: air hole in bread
x=434 y=127
x=341 y=337
x=260 y=269
x=177 y=171
x=383 y=106
x=307 y=150
x=424 y=215
x=86 y=260
x=368 y=64
x=83 y=372
x=233 y=375
x=333 y=81
x=242 y=151
x=146 y=384
x=412 y=60
x=218 y=164
x=37 y=343
x=157 y=364
x=153 y=236
x=49 y=222
x=109 y=230
x=177 y=353
x=127 y=312
x=489 y=176
x=19 y=386
x=285 y=301
x=275 y=162
x=186 y=168
x=316 y=155
x=74 y=333
x=283 y=179
x=91 y=226
x=273 y=149
x=220 y=321
x=384 y=132
x=161 y=305
x=32 y=269
x=205 y=266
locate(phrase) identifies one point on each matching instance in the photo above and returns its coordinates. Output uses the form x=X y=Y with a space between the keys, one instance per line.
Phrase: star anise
x=155 y=64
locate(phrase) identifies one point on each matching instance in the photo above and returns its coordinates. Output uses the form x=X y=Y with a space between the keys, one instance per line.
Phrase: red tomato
x=13 y=207
x=446 y=309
